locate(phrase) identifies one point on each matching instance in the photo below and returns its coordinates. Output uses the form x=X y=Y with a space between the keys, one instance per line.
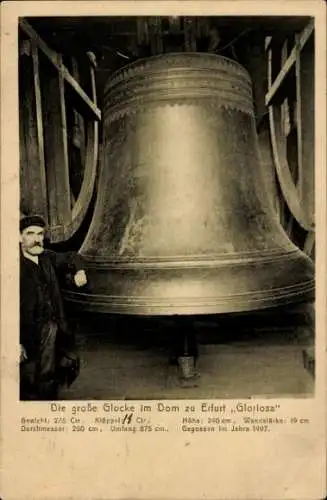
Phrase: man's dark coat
x=40 y=297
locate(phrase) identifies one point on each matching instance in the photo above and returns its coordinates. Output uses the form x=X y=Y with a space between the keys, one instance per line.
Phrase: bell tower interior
x=96 y=94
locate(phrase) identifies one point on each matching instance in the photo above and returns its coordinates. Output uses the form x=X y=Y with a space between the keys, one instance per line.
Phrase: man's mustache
x=36 y=245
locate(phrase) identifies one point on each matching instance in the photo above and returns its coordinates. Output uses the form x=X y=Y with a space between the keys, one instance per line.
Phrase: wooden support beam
x=78 y=126
x=309 y=244
x=289 y=63
x=84 y=102
x=269 y=68
x=256 y=63
x=189 y=34
x=156 y=40
x=306 y=128
x=32 y=164
x=56 y=150
x=268 y=41
x=142 y=31
x=93 y=85
x=285 y=178
x=90 y=170
x=39 y=126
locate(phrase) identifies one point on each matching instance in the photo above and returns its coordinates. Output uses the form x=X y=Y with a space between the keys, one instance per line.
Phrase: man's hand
x=80 y=278
x=23 y=355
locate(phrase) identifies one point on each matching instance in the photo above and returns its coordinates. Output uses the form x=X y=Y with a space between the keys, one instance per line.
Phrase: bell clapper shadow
x=186 y=350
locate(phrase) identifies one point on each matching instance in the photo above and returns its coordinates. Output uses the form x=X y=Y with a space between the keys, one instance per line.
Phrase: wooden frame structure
x=46 y=88
x=290 y=101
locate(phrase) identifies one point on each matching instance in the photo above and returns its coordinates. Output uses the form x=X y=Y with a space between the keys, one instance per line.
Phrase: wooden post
x=156 y=36
x=189 y=35
x=78 y=126
x=142 y=31
x=306 y=127
x=56 y=150
x=279 y=199
x=256 y=62
x=32 y=165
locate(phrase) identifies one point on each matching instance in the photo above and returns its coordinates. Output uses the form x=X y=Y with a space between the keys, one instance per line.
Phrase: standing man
x=47 y=356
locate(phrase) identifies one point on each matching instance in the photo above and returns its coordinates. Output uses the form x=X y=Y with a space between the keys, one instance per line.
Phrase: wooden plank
x=309 y=244
x=56 y=151
x=32 y=166
x=269 y=69
x=75 y=70
x=78 y=125
x=156 y=36
x=306 y=128
x=284 y=52
x=85 y=103
x=39 y=127
x=299 y=125
x=256 y=63
x=289 y=63
x=93 y=85
x=287 y=185
x=268 y=41
x=189 y=34
x=142 y=31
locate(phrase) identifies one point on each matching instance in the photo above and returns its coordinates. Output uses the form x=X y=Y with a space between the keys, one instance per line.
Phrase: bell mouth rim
x=194 y=288
x=170 y=306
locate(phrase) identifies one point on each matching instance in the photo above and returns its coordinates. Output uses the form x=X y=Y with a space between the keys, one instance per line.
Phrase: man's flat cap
x=31 y=220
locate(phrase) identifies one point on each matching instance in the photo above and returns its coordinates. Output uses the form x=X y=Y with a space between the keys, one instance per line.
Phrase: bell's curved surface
x=183 y=223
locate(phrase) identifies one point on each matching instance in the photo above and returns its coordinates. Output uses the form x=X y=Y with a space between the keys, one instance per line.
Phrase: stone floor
x=241 y=356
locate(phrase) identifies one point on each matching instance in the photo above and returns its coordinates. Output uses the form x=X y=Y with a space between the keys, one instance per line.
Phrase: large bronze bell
x=183 y=223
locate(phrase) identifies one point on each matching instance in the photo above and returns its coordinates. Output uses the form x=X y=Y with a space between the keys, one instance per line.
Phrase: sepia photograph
x=163 y=250
x=167 y=207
